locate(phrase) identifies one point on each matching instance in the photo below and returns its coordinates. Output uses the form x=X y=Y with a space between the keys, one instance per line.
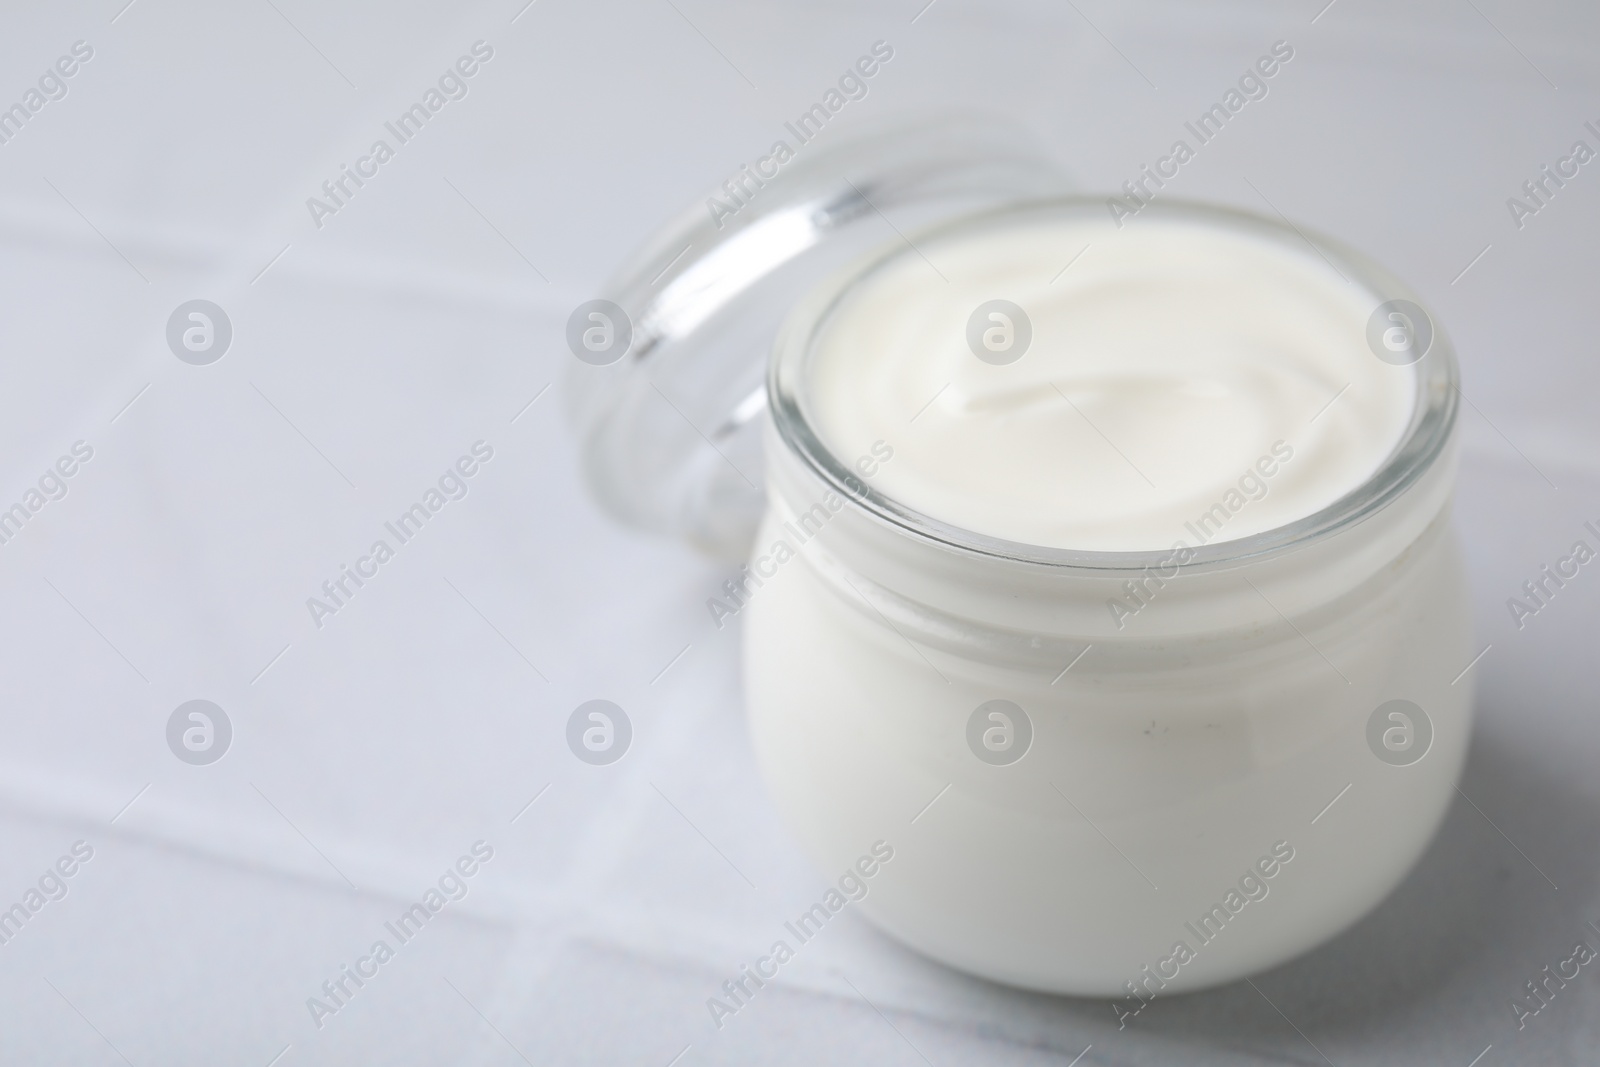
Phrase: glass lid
x=668 y=388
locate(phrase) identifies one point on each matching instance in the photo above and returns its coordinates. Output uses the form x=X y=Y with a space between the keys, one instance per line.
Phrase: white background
x=427 y=313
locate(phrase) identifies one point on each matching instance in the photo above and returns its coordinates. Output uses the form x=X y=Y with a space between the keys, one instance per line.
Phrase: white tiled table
x=370 y=353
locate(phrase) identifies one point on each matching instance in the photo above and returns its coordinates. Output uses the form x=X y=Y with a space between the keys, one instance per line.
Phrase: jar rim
x=1428 y=432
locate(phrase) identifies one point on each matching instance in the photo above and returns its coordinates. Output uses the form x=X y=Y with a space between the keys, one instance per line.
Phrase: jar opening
x=1420 y=438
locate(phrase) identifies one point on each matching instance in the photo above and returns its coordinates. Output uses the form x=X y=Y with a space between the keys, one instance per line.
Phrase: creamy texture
x=1172 y=365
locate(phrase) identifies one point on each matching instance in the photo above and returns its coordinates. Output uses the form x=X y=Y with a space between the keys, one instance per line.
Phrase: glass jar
x=1078 y=808
x=1010 y=783
x=1084 y=808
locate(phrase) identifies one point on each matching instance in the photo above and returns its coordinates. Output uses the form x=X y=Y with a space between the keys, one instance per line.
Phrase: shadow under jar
x=1127 y=725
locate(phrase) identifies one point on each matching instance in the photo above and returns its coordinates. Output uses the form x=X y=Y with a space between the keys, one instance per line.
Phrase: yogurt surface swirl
x=1178 y=380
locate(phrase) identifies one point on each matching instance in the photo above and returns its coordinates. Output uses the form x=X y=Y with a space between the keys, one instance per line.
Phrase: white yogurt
x=1162 y=752
x=1164 y=363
